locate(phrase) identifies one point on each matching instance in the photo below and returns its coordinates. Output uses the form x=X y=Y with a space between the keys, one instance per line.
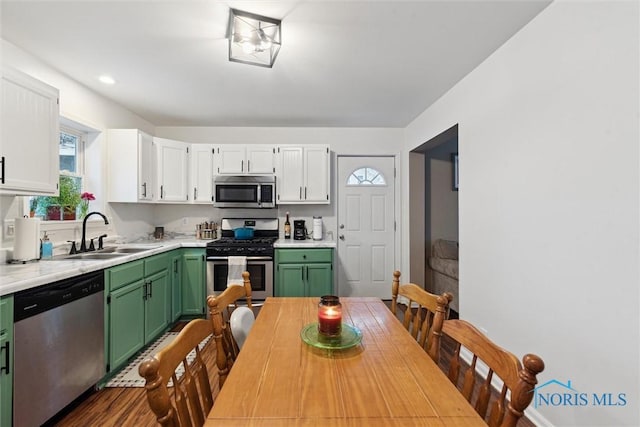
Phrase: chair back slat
x=189 y=401
x=182 y=401
x=519 y=379
x=482 y=403
x=423 y=310
x=469 y=380
x=496 y=415
x=226 y=347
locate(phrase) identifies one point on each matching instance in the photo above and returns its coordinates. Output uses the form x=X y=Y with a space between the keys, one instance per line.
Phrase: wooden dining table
x=385 y=380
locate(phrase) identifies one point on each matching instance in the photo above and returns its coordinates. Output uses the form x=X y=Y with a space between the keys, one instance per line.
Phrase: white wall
x=549 y=188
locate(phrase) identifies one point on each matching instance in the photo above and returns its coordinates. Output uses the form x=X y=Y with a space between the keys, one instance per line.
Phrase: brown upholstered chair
x=191 y=398
x=219 y=311
x=423 y=311
x=519 y=380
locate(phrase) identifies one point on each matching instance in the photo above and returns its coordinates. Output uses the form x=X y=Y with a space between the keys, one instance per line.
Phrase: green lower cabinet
x=127 y=320
x=176 y=285
x=193 y=282
x=319 y=280
x=304 y=272
x=156 y=317
x=6 y=360
x=139 y=300
x=290 y=280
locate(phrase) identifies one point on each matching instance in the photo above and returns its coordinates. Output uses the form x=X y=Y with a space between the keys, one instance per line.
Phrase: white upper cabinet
x=172 y=162
x=130 y=160
x=30 y=137
x=241 y=159
x=201 y=185
x=303 y=174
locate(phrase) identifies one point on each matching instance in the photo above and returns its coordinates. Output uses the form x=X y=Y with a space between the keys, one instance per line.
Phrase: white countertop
x=304 y=244
x=18 y=277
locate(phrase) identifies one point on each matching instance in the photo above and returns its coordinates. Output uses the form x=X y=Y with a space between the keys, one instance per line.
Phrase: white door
x=366 y=222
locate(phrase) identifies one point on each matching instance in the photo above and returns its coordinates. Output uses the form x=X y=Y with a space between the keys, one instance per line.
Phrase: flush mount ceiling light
x=253 y=39
x=106 y=79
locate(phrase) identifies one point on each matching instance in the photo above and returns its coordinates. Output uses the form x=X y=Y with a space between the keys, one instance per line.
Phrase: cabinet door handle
x=300 y=193
x=175 y=266
x=144 y=189
x=150 y=289
x=195 y=194
x=241 y=165
x=305 y=193
x=161 y=191
x=144 y=291
x=2 y=171
x=248 y=165
x=5 y=368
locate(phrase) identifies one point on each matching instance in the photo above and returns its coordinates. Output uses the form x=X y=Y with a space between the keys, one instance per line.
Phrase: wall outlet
x=10 y=230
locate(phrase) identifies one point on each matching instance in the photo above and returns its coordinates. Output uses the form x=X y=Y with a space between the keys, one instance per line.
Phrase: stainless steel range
x=258 y=250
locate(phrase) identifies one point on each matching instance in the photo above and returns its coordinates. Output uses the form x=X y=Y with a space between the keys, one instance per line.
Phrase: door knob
x=341 y=237
x=341 y=226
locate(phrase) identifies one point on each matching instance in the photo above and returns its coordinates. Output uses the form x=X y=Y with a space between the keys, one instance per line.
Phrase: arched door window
x=366 y=176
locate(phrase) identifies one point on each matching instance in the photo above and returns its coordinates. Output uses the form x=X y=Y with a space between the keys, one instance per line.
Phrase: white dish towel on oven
x=236 y=266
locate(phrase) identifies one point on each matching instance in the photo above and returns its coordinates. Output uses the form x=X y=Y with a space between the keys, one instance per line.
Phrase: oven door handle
x=249 y=258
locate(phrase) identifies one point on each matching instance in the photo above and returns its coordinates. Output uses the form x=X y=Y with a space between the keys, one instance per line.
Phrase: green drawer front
x=155 y=264
x=303 y=255
x=6 y=314
x=124 y=274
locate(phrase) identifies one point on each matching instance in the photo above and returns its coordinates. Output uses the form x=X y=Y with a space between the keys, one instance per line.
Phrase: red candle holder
x=329 y=316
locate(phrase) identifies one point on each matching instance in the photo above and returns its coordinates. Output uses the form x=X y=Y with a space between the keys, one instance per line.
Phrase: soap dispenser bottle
x=47 y=247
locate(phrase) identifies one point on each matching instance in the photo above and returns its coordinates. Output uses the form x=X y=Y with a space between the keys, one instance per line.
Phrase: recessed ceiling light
x=108 y=80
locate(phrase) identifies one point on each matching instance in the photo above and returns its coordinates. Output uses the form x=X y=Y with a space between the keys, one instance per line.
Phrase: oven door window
x=236 y=193
x=257 y=275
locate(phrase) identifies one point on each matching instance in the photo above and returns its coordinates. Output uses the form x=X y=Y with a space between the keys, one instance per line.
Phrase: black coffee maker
x=299 y=231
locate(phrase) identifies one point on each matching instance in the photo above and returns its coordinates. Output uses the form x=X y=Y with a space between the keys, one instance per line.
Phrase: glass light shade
x=253 y=39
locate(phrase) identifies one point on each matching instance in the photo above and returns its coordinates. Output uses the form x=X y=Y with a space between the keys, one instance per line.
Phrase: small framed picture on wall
x=454 y=162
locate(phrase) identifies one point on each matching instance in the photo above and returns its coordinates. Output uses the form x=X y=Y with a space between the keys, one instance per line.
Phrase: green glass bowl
x=349 y=337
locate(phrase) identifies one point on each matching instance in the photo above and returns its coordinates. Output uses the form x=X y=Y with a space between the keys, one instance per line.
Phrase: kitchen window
x=71 y=157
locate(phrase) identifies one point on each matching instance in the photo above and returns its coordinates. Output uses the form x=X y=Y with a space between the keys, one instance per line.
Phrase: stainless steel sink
x=94 y=255
x=108 y=253
x=127 y=249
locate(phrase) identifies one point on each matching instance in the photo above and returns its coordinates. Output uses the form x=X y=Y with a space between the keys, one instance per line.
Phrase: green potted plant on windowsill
x=64 y=206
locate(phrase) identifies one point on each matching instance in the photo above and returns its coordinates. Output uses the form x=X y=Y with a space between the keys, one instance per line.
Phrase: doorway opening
x=434 y=214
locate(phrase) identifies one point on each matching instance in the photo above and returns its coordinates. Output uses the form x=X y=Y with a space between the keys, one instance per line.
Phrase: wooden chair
x=431 y=310
x=501 y=363
x=226 y=347
x=191 y=399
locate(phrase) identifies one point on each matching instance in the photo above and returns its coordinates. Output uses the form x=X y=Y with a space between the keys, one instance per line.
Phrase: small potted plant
x=64 y=206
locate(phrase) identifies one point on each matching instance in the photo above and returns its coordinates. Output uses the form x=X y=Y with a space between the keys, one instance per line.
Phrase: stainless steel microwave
x=244 y=191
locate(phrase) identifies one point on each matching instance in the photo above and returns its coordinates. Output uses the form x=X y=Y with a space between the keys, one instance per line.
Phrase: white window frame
x=80 y=165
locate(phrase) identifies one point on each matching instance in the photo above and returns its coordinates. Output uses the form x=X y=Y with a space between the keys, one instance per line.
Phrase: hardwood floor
x=123 y=407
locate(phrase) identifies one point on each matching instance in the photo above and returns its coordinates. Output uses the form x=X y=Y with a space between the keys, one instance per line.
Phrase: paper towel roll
x=27 y=239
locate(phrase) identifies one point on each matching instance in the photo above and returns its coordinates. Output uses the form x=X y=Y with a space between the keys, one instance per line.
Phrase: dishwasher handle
x=5 y=368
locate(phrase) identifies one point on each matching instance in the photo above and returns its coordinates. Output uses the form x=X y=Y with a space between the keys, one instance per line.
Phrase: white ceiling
x=342 y=63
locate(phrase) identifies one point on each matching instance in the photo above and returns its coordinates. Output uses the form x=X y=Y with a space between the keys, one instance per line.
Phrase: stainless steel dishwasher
x=59 y=346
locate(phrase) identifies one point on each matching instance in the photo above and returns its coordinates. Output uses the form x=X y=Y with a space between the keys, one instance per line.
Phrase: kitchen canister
x=26 y=246
x=317 y=228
